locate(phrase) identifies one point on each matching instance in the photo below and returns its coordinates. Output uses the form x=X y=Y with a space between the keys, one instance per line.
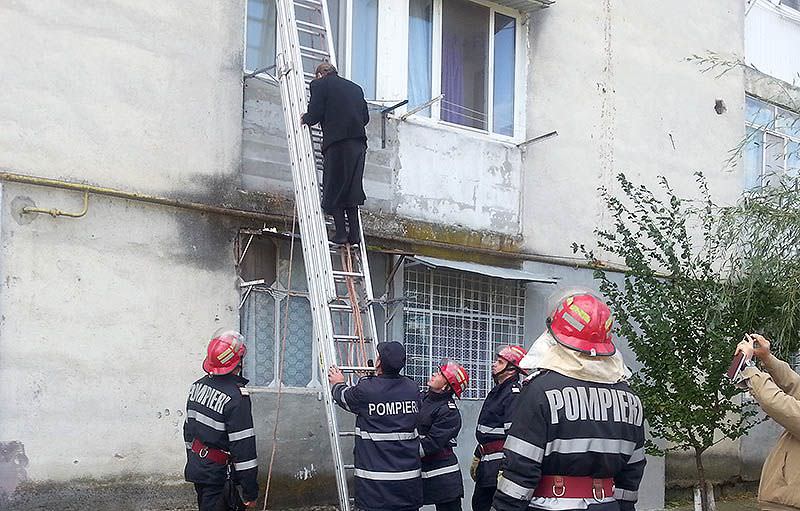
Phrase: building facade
x=166 y=116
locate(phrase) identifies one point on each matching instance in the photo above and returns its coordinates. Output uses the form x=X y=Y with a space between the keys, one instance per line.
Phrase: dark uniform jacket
x=439 y=424
x=569 y=427
x=386 y=451
x=494 y=422
x=339 y=106
x=218 y=414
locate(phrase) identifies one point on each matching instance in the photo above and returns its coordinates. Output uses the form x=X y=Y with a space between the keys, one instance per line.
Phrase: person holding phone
x=777 y=390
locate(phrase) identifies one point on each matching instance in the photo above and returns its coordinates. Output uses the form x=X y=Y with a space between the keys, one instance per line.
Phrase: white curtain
x=420 y=34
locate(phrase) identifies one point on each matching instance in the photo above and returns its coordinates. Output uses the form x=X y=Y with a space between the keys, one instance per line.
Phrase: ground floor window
x=459 y=315
x=272 y=308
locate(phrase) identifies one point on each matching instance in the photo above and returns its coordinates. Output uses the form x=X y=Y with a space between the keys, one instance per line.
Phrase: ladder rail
x=312 y=224
x=306 y=160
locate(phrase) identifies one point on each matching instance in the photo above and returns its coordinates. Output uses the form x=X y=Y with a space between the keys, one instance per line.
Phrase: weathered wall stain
x=13 y=464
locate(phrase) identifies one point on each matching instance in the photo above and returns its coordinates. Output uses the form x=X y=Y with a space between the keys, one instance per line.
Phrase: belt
x=571 y=487
x=441 y=455
x=209 y=453
x=491 y=447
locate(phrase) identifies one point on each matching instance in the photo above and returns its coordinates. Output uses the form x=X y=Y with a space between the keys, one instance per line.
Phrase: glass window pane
x=505 y=33
x=299 y=341
x=465 y=58
x=788 y=123
x=258 y=328
x=753 y=158
x=420 y=36
x=365 y=45
x=793 y=159
x=773 y=159
x=261 y=33
x=758 y=112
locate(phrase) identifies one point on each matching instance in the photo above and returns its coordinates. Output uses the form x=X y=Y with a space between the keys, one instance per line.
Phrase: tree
x=676 y=308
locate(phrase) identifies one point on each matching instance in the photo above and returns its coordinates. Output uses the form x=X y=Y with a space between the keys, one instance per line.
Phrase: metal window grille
x=459 y=315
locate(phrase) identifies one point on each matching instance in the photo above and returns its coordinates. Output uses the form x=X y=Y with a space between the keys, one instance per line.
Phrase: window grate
x=463 y=316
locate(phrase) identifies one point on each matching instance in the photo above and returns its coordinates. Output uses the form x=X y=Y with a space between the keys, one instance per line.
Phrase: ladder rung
x=313 y=5
x=308 y=49
x=349 y=467
x=348 y=337
x=356 y=369
x=306 y=24
x=347 y=433
x=337 y=273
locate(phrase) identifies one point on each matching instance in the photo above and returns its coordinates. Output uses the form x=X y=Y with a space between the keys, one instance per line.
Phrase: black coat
x=569 y=427
x=439 y=424
x=386 y=446
x=494 y=422
x=218 y=414
x=338 y=105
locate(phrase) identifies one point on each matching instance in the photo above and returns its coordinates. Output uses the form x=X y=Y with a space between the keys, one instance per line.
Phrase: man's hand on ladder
x=335 y=375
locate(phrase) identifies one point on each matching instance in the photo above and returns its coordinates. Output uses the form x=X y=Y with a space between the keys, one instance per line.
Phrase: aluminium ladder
x=339 y=285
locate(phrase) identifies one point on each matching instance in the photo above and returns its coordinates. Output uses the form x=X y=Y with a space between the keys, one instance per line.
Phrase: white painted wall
x=104 y=324
x=772 y=39
x=612 y=78
x=105 y=318
x=127 y=93
x=453 y=177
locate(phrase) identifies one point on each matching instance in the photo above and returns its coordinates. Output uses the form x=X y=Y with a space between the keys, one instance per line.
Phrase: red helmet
x=456 y=376
x=512 y=354
x=581 y=321
x=225 y=352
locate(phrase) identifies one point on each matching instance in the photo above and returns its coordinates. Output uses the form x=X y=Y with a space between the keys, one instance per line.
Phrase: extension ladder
x=339 y=285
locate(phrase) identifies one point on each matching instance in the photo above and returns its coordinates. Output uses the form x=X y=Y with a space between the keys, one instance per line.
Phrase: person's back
x=386 y=451
x=345 y=113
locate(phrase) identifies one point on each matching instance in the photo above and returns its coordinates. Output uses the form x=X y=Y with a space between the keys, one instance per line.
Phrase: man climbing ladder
x=338 y=105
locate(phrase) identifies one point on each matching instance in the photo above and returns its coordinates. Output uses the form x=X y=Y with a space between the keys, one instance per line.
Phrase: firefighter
x=439 y=424
x=386 y=450
x=494 y=422
x=218 y=432
x=577 y=439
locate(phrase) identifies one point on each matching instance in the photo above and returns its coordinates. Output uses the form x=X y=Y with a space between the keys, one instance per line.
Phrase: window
x=260 y=34
x=264 y=317
x=459 y=315
x=356 y=55
x=467 y=51
x=792 y=4
x=772 y=146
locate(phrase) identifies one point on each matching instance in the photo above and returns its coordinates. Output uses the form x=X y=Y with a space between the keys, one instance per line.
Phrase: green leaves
x=680 y=308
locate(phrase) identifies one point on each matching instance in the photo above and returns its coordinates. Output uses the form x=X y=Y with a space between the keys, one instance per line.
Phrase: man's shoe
x=339 y=239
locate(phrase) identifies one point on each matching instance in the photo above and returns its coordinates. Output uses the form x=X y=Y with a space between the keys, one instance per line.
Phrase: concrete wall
x=129 y=94
x=102 y=332
x=772 y=36
x=613 y=80
x=105 y=318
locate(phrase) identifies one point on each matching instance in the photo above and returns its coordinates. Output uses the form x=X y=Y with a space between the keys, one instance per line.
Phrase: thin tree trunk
x=701 y=478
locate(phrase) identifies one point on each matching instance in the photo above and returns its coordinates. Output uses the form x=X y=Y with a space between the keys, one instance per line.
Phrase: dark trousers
x=210 y=497
x=482 y=498
x=453 y=505
x=348 y=229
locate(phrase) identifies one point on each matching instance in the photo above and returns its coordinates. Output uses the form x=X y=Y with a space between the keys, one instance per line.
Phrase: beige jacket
x=778 y=392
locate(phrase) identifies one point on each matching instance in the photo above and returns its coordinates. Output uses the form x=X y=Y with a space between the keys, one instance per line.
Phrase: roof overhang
x=483 y=269
x=525 y=5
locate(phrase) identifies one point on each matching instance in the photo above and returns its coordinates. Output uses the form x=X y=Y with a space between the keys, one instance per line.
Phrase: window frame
x=520 y=75
x=280 y=295
x=770 y=129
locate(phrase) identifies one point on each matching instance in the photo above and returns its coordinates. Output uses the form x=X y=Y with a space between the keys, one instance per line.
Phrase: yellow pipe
x=153 y=199
x=57 y=212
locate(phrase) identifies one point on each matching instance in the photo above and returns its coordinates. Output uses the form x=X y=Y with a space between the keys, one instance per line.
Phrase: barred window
x=459 y=315
x=264 y=315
